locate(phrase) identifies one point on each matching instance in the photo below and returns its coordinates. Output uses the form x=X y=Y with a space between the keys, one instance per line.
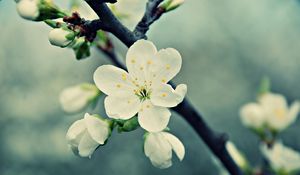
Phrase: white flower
x=28 y=9
x=61 y=37
x=282 y=158
x=279 y=115
x=144 y=90
x=270 y=110
x=237 y=156
x=75 y=98
x=85 y=135
x=252 y=115
x=158 y=148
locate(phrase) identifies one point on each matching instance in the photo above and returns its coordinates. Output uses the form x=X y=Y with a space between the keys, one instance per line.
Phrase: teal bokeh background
x=227 y=47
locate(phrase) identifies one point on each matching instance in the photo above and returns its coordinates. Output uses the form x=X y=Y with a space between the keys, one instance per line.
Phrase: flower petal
x=252 y=115
x=87 y=145
x=158 y=149
x=272 y=102
x=176 y=145
x=122 y=107
x=75 y=98
x=139 y=57
x=98 y=128
x=153 y=118
x=281 y=157
x=75 y=132
x=113 y=81
x=293 y=111
x=166 y=96
x=166 y=65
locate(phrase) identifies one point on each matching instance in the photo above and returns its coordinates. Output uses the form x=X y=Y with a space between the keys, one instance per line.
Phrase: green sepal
x=127 y=125
x=71 y=36
x=81 y=48
x=48 y=10
x=265 y=86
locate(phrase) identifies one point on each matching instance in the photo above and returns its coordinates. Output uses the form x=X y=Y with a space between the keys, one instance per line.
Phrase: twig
x=153 y=12
x=215 y=141
x=113 y=25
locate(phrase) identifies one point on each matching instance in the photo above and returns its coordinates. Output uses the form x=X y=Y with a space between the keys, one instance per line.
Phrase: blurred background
x=227 y=47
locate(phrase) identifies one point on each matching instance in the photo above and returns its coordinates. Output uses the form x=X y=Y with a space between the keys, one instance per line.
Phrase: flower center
x=280 y=113
x=143 y=93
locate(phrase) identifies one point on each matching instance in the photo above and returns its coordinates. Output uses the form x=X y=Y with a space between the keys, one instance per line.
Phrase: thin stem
x=215 y=141
x=152 y=13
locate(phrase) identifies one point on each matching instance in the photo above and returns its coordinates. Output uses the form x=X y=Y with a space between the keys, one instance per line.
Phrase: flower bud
x=61 y=37
x=28 y=9
x=169 y=5
x=38 y=10
x=158 y=148
x=75 y=98
x=237 y=156
x=85 y=135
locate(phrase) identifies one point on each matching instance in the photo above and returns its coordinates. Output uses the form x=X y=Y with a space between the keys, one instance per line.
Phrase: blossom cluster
x=267 y=117
x=139 y=97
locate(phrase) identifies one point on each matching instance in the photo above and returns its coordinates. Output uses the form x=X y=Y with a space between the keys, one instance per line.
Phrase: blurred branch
x=215 y=141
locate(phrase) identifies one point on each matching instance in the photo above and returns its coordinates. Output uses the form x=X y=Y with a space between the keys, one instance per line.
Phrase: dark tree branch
x=215 y=141
x=152 y=13
x=115 y=26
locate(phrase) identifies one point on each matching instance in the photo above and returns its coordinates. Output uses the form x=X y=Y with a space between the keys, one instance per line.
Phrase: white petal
x=252 y=115
x=75 y=98
x=294 y=110
x=158 y=149
x=272 y=102
x=122 y=107
x=98 y=129
x=139 y=57
x=28 y=9
x=153 y=118
x=75 y=132
x=87 y=145
x=113 y=81
x=176 y=145
x=57 y=37
x=166 y=96
x=166 y=65
x=236 y=154
x=282 y=157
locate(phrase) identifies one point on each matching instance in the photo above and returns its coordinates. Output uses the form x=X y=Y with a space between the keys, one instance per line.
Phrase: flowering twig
x=215 y=141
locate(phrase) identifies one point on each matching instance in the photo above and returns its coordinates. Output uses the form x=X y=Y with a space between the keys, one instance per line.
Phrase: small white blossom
x=158 y=148
x=143 y=89
x=85 y=135
x=252 y=115
x=282 y=158
x=28 y=9
x=61 y=37
x=270 y=110
x=75 y=98
x=237 y=156
x=279 y=115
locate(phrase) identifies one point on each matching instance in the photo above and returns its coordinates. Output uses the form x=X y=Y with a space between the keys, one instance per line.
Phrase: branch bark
x=215 y=141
